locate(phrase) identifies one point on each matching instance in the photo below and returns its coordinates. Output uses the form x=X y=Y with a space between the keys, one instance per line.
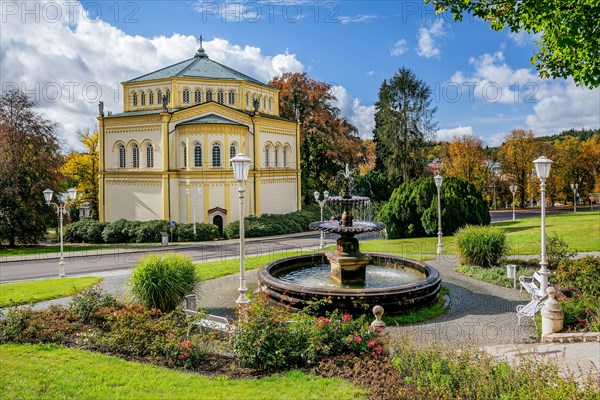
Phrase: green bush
x=583 y=274
x=149 y=231
x=274 y=224
x=272 y=338
x=557 y=250
x=412 y=208
x=85 y=231
x=117 y=232
x=481 y=245
x=162 y=282
x=582 y=313
x=90 y=301
x=185 y=232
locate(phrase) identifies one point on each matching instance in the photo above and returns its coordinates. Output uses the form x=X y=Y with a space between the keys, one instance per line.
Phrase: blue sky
x=69 y=55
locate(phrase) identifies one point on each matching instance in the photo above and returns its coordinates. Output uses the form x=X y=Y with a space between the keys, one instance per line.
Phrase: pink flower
x=581 y=321
x=373 y=343
x=347 y=317
x=357 y=339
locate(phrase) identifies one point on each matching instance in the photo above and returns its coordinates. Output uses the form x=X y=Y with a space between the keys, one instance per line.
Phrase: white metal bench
x=531 y=284
x=529 y=310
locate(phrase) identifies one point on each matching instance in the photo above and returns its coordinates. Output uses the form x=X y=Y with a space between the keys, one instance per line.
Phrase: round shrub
x=117 y=232
x=483 y=246
x=149 y=231
x=185 y=232
x=161 y=282
x=412 y=208
x=85 y=231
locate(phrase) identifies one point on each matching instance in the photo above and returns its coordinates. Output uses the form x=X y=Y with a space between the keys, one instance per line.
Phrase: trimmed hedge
x=271 y=224
x=124 y=231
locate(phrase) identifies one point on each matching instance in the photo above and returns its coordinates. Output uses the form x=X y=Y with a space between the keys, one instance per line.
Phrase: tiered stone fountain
x=346 y=278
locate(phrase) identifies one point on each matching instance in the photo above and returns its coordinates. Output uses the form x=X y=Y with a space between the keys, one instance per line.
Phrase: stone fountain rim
x=356 y=228
x=433 y=277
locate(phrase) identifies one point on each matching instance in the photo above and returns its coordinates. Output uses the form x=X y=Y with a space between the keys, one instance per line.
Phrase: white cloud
x=363 y=117
x=71 y=63
x=448 y=134
x=371 y=73
x=496 y=139
x=522 y=38
x=427 y=39
x=557 y=104
x=399 y=48
x=345 y=20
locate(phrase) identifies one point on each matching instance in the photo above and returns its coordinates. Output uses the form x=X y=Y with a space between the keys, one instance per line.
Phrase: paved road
x=77 y=263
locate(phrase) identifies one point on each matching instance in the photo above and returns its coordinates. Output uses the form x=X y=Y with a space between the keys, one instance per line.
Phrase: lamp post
x=187 y=200
x=531 y=189
x=513 y=190
x=438 y=183
x=574 y=187
x=321 y=204
x=61 y=209
x=542 y=168
x=241 y=166
x=199 y=197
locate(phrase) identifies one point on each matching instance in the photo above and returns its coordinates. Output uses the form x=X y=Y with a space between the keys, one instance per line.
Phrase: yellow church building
x=167 y=155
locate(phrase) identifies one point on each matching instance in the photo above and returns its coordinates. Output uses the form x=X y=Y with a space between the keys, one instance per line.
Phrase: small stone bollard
x=552 y=315
x=190 y=302
x=378 y=323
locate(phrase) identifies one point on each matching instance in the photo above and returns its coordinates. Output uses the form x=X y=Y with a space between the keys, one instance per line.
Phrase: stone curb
x=571 y=337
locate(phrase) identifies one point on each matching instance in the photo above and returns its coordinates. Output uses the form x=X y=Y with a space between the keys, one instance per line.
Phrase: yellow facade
x=173 y=163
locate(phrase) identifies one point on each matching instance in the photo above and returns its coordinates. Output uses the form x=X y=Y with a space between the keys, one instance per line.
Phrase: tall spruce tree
x=403 y=124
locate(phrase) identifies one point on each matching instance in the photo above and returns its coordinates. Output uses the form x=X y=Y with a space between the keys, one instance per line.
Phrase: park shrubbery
x=412 y=208
x=484 y=246
x=162 y=282
x=274 y=224
x=125 y=231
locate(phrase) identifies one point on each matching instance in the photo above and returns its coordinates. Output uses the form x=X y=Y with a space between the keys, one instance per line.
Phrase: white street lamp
x=199 y=198
x=61 y=209
x=574 y=187
x=187 y=200
x=321 y=204
x=241 y=166
x=438 y=183
x=542 y=168
x=513 y=190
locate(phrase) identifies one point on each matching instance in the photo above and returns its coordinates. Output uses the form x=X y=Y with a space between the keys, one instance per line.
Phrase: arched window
x=168 y=94
x=136 y=156
x=134 y=100
x=231 y=98
x=265 y=103
x=276 y=156
x=184 y=155
x=158 y=97
x=267 y=155
x=209 y=95
x=122 y=158
x=216 y=155
x=220 y=97
x=285 y=155
x=143 y=99
x=150 y=98
x=186 y=96
x=271 y=104
x=197 y=96
x=197 y=155
x=232 y=152
x=247 y=100
x=150 y=156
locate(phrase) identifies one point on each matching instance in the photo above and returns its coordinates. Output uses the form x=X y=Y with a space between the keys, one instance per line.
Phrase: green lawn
x=50 y=372
x=26 y=292
x=216 y=269
x=581 y=231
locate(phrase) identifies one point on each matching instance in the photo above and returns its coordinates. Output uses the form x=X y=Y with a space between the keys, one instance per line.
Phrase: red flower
x=373 y=343
x=581 y=321
x=346 y=317
x=357 y=339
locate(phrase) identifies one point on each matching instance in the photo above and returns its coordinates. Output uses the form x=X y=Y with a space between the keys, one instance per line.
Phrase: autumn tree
x=465 y=158
x=569 y=32
x=575 y=164
x=403 y=125
x=590 y=149
x=327 y=140
x=81 y=170
x=29 y=163
x=516 y=157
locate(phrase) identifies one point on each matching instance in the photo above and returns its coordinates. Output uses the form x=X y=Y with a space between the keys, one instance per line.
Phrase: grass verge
x=49 y=371
x=493 y=275
x=216 y=269
x=424 y=314
x=26 y=292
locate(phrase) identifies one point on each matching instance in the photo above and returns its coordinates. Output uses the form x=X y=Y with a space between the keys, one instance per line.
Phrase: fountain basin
x=394 y=299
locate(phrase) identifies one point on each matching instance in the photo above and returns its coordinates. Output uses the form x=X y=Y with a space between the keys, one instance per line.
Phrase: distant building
x=168 y=153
